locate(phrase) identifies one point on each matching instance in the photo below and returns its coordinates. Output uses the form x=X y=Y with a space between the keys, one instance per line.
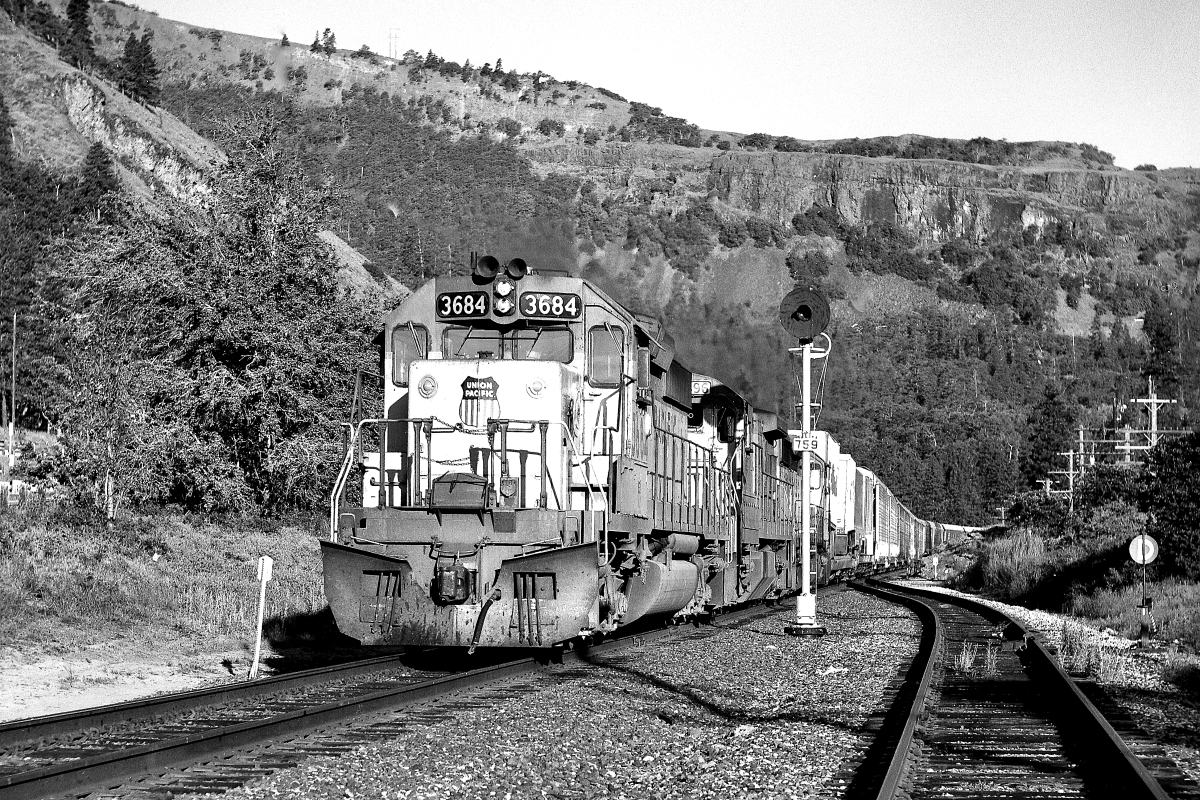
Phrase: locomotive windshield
x=520 y=344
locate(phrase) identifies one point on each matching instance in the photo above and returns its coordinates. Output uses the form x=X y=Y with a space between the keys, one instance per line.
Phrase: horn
x=516 y=269
x=487 y=268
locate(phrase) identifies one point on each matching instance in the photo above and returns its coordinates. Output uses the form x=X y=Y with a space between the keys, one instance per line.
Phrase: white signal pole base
x=806 y=618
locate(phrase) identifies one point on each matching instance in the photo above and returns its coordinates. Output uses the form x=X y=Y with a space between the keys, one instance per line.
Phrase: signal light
x=503 y=306
x=487 y=268
x=504 y=288
x=516 y=269
x=804 y=313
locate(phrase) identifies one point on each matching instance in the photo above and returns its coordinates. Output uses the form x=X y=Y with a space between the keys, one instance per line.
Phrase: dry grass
x=1080 y=654
x=1174 y=617
x=1011 y=566
x=66 y=583
x=990 y=658
x=965 y=660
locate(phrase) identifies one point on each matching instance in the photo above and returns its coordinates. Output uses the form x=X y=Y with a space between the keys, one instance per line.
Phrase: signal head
x=804 y=313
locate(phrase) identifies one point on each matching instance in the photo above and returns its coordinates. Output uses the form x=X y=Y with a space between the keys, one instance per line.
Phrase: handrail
x=586 y=465
x=339 y=484
x=355 y=437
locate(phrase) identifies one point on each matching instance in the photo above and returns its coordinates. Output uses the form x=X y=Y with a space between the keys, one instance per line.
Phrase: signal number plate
x=459 y=305
x=551 y=306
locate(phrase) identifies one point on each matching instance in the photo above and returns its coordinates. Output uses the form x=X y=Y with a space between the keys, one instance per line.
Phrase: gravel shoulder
x=1133 y=678
x=112 y=672
x=745 y=712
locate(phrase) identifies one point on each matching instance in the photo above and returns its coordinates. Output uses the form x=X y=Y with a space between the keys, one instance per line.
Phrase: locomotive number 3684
x=548 y=304
x=462 y=304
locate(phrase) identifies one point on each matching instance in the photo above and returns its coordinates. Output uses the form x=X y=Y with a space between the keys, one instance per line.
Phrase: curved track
x=1007 y=722
x=190 y=737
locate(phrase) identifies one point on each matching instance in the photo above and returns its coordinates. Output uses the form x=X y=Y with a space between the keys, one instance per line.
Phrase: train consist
x=543 y=467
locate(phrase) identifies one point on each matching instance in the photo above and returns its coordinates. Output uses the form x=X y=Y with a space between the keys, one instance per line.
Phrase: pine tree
x=284 y=41
x=138 y=72
x=328 y=42
x=315 y=47
x=1050 y=424
x=467 y=70
x=129 y=66
x=97 y=180
x=78 y=48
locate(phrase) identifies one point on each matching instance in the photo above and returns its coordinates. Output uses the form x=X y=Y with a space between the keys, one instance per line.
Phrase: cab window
x=606 y=348
x=541 y=344
x=524 y=344
x=472 y=343
x=409 y=343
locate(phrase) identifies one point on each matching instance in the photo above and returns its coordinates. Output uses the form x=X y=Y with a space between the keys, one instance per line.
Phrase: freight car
x=541 y=466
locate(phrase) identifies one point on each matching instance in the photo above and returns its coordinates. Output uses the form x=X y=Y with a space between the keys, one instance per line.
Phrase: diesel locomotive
x=543 y=467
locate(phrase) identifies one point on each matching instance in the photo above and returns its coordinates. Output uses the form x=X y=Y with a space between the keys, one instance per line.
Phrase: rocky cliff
x=937 y=200
x=58 y=112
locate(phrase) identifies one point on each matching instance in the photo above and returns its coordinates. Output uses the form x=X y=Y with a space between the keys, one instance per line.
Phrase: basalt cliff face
x=936 y=200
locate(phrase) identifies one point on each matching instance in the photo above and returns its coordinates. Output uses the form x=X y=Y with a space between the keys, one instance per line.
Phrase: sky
x=1121 y=74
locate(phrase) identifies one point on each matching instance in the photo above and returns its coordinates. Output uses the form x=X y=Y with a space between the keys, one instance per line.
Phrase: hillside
x=972 y=281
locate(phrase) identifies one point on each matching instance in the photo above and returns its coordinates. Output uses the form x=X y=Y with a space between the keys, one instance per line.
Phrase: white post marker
x=264 y=574
x=1143 y=549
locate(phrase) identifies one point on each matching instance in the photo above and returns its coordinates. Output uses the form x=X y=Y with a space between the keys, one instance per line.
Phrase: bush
x=1146 y=168
x=757 y=141
x=733 y=234
x=551 y=127
x=508 y=126
x=1010 y=567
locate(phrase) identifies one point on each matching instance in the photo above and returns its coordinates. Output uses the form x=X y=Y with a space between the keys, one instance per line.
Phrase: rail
x=1111 y=761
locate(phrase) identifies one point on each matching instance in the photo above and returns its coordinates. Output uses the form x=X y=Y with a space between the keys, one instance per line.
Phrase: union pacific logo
x=480 y=401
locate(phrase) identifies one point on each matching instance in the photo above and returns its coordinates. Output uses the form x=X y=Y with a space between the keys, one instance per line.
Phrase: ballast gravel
x=1133 y=678
x=748 y=712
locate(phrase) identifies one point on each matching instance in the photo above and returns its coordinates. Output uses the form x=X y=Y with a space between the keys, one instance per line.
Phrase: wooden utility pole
x=1152 y=403
x=12 y=416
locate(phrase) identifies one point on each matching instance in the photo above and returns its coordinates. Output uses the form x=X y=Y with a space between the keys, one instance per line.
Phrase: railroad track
x=986 y=712
x=217 y=738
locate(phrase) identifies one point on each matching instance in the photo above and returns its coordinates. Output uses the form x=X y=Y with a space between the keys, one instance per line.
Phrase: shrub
x=724 y=144
x=757 y=141
x=551 y=127
x=1146 y=168
x=508 y=126
x=818 y=220
x=808 y=267
x=609 y=95
x=733 y=233
x=598 y=106
x=1012 y=566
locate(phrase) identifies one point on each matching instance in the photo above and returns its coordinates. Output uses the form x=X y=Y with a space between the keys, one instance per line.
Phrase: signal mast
x=804 y=313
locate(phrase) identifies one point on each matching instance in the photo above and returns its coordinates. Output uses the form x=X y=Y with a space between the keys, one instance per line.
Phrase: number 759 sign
x=805 y=440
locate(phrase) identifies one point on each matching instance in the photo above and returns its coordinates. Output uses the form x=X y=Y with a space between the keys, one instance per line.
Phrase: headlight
x=504 y=288
x=427 y=387
x=535 y=388
x=503 y=306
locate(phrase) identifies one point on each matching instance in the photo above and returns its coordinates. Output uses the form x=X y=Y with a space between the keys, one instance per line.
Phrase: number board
x=805 y=440
x=550 y=306
x=460 y=305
